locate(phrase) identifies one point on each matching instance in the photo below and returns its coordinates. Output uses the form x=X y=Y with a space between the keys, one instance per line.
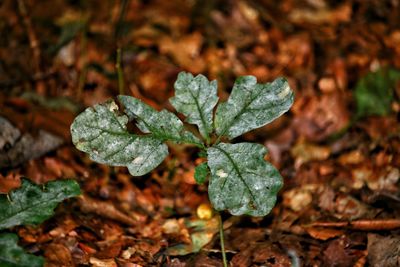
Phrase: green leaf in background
x=163 y=125
x=374 y=92
x=102 y=133
x=201 y=172
x=11 y=255
x=196 y=97
x=29 y=204
x=241 y=180
x=252 y=105
x=68 y=32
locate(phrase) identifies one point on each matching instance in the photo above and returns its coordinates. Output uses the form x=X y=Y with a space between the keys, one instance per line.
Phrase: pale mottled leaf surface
x=102 y=133
x=196 y=97
x=11 y=255
x=163 y=125
x=241 y=180
x=30 y=204
x=252 y=105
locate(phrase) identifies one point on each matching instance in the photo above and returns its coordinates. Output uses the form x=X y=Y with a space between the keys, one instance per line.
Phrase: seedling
x=240 y=180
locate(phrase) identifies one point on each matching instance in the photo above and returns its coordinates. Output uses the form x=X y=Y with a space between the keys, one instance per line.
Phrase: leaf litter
x=339 y=204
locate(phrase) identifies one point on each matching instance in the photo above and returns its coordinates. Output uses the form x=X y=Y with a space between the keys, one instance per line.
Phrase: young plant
x=240 y=181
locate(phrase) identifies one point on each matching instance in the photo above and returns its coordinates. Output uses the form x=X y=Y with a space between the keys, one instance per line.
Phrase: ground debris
x=17 y=148
x=341 y=168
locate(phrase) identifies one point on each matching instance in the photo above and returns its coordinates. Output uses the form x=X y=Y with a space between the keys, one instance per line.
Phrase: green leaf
x=29 y=204
x=68 y=33
x=252 y=105
x=374 y=92
x=163 y=125
x=196 y=98
x=102 y=133
x=201 y=172
x=241 y=180
x=11 y=255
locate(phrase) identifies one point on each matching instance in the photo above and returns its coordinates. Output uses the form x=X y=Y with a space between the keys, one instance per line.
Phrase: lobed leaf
x=29 y=204
x=11 y=255
x=196 y=97
x=163 y=125
x=252 y=105
x=241 y=180
x=102 y=133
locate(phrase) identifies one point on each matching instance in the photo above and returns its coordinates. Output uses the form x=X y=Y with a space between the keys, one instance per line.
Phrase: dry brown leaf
x=323 y=233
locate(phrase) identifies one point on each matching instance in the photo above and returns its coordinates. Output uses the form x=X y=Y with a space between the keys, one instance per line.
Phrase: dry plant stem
x=122 y=6
x=33 y=40
x=83 y=73
x=120 y=72
x=221 y=236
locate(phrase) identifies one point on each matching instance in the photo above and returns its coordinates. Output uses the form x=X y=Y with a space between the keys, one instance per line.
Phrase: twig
x=33 y=40
x=364 y=225
x=84 y=70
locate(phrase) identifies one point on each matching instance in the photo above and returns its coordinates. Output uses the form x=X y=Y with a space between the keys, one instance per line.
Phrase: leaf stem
x=221 y=236
x=120 y=72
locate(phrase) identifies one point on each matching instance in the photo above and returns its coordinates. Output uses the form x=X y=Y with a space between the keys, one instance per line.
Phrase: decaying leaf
x=16 y=148
x=383 y=250
x=202 y=233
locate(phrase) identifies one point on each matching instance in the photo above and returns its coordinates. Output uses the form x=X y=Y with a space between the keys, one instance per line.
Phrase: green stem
x=120 y=72
x=221 y=236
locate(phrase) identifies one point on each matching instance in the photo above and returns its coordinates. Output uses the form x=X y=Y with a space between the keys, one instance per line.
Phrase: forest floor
x=338 y=148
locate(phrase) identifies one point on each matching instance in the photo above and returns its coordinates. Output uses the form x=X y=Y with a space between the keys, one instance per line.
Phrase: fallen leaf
x=102 y=263
x=104 y=209
x=383 y=250
x=323 y=233
x=27 y=147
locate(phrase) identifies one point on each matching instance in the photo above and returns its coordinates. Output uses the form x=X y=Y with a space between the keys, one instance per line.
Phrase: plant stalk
x=221 y=236
x=120 y=72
